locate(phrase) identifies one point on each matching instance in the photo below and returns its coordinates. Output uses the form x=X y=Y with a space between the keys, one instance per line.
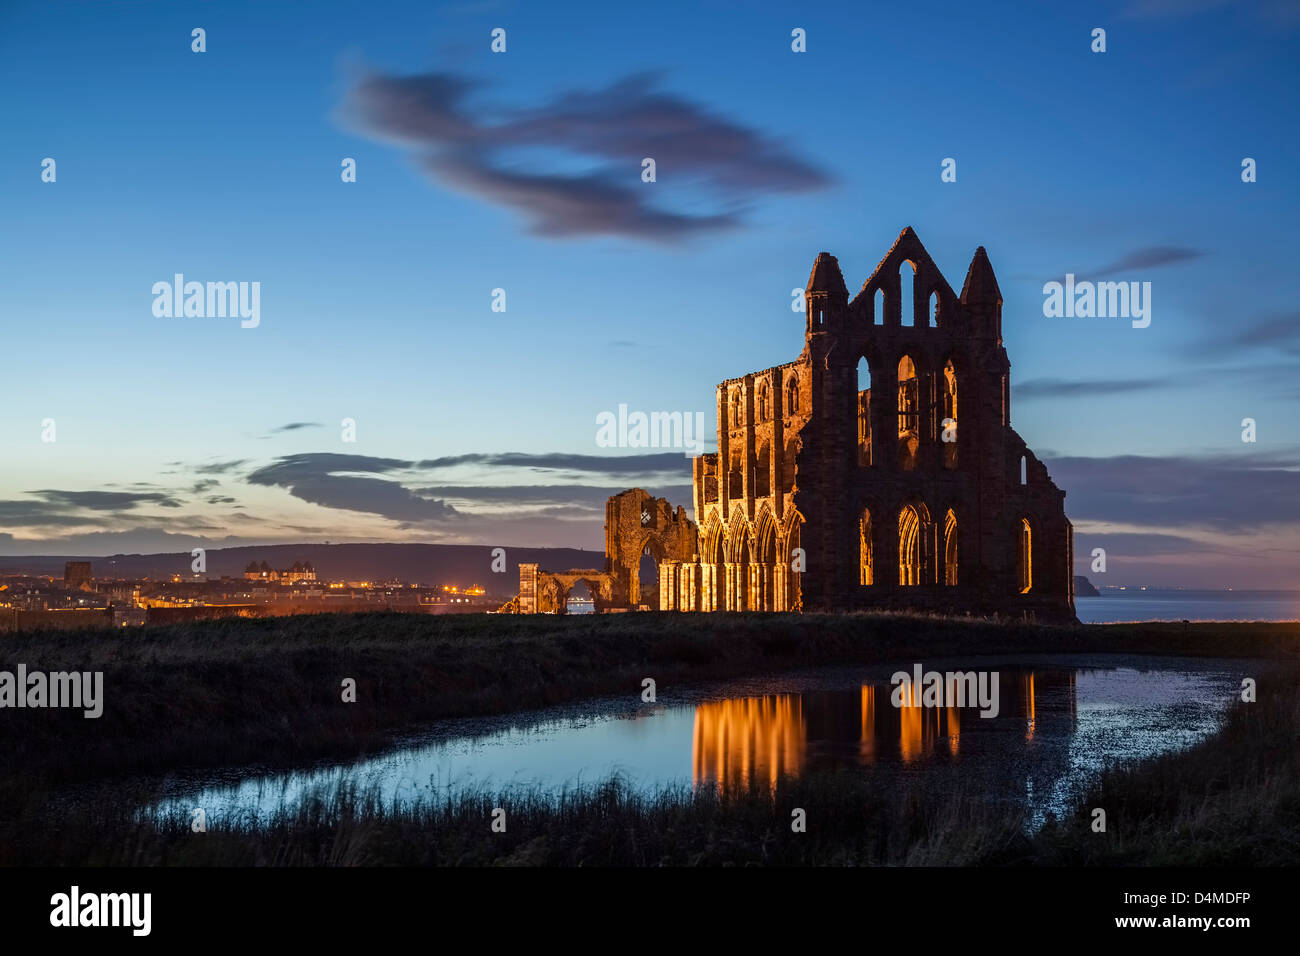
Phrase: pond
x=1058 y=723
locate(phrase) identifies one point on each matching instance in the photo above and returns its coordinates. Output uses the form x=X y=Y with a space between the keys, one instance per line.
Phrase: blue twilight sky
x=522 y=171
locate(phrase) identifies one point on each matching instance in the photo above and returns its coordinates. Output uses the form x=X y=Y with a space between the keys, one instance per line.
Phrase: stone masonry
x=879 y=469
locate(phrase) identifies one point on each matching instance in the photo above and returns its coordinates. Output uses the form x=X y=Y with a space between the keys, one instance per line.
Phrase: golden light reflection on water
x=748 y=740
x=867 y=739
x=752 y=738
x=1028 y=685
x=919 y=726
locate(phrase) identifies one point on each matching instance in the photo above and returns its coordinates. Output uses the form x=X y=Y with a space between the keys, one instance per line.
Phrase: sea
x=1139 y=604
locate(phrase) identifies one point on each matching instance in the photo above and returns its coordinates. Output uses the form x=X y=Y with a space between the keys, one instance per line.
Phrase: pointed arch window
x=909 y=547
x=1026 y=556
x=906 y=295
x=950 y=550
x=909 y=413
x=864 y=412
x=948 y=416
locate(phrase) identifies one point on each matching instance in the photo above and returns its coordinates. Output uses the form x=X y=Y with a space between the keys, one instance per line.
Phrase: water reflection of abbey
x=756 y=740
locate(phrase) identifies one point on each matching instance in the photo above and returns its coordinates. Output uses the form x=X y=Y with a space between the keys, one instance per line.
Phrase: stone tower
x=880 y=469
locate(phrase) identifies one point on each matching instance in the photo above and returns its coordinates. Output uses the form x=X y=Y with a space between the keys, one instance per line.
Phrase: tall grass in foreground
x=1232 y=800
x=267 y=691
x=851 y=821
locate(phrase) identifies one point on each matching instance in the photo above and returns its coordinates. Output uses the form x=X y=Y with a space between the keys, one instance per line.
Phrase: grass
x=1232 y=800
x=268 y=691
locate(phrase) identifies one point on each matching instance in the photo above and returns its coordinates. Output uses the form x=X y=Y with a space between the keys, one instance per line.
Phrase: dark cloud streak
x=1224 y=493
x=1095 y=388
x=470 y=149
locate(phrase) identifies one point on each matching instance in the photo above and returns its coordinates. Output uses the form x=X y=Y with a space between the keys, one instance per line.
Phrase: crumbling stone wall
x=903 y=494
x=913 y=492
x=636 y=523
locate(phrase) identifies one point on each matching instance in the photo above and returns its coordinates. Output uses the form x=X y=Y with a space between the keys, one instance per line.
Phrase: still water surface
x=1058 y=725
x=1134 y=604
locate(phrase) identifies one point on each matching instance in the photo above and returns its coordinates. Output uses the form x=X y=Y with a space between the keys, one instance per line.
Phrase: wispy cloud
x=1144 y=257
x=331 y=480
x=594 y=141
x=105 y=500
x=217 y=467
x=57 y=508
x=586 y=496
x=1227 y=493
x=1149 y=257
x=1273 y=378
x=1097 y=387
x=398 y=490
x=1273 y=332
x=658 y=463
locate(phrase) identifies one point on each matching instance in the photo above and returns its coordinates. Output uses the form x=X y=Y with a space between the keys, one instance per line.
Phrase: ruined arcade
x=879 y=469
x=636 y=524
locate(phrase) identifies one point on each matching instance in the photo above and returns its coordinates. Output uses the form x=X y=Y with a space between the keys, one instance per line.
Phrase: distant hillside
x=416 y=563
x=1083 y=587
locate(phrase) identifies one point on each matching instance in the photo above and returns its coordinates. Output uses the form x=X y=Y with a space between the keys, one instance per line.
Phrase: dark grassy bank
x=1233 y=800
x=268 y=691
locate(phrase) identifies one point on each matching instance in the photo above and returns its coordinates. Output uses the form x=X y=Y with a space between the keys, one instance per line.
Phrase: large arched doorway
x=764 y=598
x=647 y=573
x=738 y=591
x=793 y=564
x=580 y=599
x=713 y=569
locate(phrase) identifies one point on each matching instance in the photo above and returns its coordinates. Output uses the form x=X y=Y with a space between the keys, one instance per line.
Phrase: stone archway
x=763 y=572
x=740 y=553
x=788 y=577
x=637 y=524
x=713 y=562
x=643 y=586
x=574 y=598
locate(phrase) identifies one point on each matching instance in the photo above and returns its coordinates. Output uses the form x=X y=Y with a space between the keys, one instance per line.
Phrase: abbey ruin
x=843 y=480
